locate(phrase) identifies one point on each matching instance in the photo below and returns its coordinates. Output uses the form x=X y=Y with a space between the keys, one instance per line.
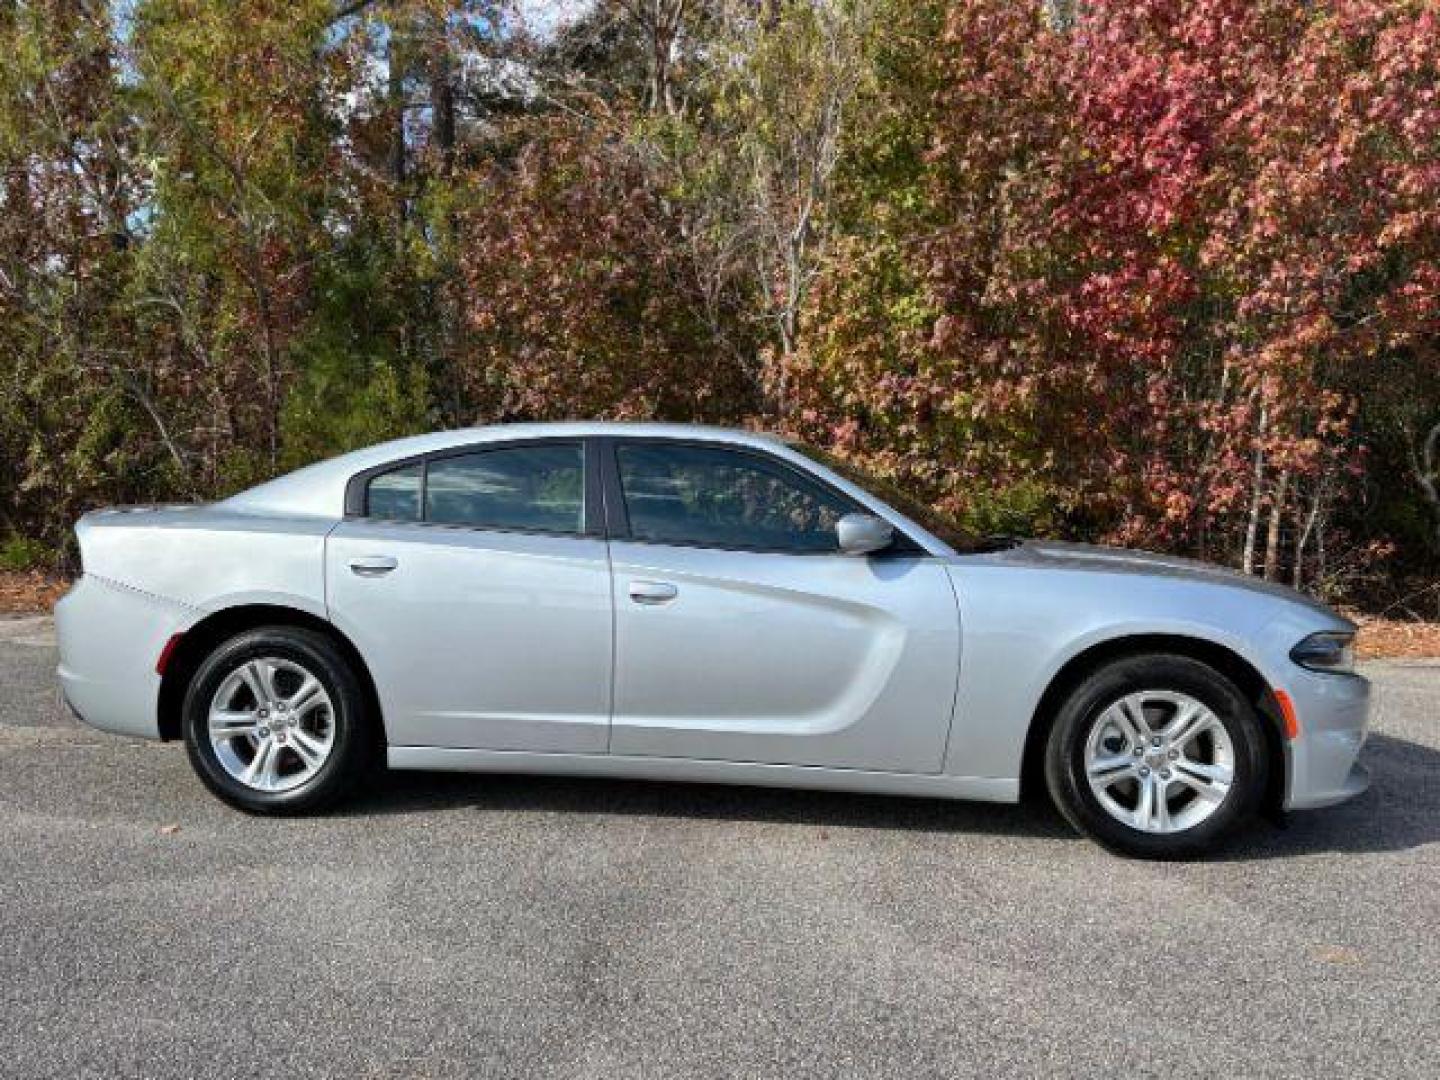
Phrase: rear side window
x=538 y=488
x=395 y=495
x=715 y=497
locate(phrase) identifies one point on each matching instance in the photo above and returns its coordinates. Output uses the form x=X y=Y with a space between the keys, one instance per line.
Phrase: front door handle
x=652 y=592
x=374 y=565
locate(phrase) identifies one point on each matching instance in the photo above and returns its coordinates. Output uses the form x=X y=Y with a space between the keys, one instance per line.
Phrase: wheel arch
x=1222 y=658
x=199 y=640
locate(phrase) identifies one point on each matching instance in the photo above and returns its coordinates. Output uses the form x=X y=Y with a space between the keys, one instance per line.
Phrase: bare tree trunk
x=138 y=393
x=660 y=99
x=399 y=167
x=442 y=94
x=1312 y=522
x=449 y=294
x=1060 y=14
x=1252 y=525
x=793 y=182
x=1425 y=465
x=398 y=152
x=1273 y=532
x=660 y=21
x=273 y=370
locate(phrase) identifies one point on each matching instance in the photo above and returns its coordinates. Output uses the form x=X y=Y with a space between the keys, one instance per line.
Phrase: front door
x=742 y=634
x=479 y=600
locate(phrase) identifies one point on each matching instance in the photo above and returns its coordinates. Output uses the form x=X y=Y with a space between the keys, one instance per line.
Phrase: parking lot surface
x=445 y=925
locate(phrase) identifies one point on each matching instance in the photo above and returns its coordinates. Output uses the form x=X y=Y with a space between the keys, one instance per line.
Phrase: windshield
x=927 y=517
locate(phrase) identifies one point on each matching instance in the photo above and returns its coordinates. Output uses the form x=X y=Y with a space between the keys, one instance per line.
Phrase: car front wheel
x=1156 y=756
x=276 y=722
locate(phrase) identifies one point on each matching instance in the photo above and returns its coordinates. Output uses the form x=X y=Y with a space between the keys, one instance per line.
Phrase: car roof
x=319 y=489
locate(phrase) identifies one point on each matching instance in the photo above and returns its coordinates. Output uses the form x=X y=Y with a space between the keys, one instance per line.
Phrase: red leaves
x=1170 y=241
x=580 y=301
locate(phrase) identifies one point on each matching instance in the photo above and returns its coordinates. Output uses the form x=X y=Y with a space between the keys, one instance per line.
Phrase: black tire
x=352 y=753
x=1065 y=754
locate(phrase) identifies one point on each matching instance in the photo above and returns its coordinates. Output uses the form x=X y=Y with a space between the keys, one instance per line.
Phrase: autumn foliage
x=1175 y=276
x=1152 y=272
x=579 y=296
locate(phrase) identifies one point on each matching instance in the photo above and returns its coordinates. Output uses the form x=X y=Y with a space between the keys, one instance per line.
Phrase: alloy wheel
x=1159 y=761
x=271 y=724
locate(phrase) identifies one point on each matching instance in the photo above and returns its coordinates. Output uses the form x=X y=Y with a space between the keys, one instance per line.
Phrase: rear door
x=743 y=634
x=477 y=587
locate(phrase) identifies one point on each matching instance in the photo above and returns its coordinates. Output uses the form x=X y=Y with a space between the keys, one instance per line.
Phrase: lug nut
x=1144 y=771
x=1174 y=755
x=1155 y=741
x=1164 y=774
x=1139 y=751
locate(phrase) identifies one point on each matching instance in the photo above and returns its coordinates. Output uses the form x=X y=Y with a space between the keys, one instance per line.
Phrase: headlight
x=1329 y=652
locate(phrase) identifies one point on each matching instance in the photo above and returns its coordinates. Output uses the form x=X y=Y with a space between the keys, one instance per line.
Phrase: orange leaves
x=579 y=298
x=1167 y=242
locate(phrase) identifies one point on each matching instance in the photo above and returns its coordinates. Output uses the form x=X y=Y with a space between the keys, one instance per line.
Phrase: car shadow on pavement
x=417 y=792
x=1401 y=810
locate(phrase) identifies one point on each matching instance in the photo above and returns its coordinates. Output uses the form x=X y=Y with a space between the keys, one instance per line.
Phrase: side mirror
x=860 y=534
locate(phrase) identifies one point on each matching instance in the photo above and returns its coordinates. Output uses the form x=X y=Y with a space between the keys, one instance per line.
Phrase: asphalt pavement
x=466 y=925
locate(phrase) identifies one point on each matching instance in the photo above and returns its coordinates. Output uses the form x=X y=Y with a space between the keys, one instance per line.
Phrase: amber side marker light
x=166 y=652
x=1287 y=715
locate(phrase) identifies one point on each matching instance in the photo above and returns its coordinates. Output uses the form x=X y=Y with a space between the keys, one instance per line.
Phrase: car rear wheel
x=1156 y=756
x=277 y=722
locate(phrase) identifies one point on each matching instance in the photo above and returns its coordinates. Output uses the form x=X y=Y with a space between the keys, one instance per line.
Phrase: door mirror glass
x=861 y=534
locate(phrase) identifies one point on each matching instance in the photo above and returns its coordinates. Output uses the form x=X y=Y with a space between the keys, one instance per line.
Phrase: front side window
x=716 y=497
x=518 y=487
x=923 y=514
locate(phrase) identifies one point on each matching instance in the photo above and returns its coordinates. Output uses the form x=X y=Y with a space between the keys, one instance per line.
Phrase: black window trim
x=617 y=520
x=592 y=495
x=604 y=504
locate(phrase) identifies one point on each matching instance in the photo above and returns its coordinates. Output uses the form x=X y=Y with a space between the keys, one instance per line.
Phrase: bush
x=22 y=553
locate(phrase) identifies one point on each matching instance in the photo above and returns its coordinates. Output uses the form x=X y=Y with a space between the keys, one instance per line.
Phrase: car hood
x=1050 y=555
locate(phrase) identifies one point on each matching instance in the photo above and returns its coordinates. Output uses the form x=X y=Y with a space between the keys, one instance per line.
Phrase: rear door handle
x=374 y=565
x=653 y=592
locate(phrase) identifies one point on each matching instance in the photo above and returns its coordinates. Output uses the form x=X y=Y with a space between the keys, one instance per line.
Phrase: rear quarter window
x=530 y=488
x=395 y=495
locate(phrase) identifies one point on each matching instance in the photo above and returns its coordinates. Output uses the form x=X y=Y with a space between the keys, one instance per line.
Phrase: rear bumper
x=110 y=637
x=1333 y=713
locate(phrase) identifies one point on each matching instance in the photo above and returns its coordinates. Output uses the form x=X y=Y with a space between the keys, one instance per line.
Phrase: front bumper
x=1333 y=713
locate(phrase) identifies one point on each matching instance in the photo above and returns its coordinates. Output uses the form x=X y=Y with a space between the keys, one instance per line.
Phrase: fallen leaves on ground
x=1396 y=639
x=1339 y=954
x=26 y=592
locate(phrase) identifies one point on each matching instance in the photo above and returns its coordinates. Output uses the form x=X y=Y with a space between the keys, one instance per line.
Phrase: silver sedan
x=685 y=603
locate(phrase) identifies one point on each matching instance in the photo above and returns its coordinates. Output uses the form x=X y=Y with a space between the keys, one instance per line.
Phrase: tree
x=1176 y=262
x=1153 y=272
x=754 y=168
x=660 y=24
x=580 y=299
x=78 y=415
